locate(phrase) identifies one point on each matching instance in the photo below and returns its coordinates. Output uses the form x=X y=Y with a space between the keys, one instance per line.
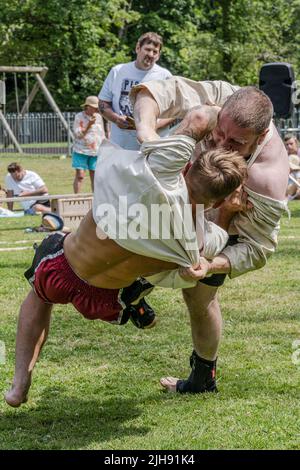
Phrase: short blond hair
x=216 y=173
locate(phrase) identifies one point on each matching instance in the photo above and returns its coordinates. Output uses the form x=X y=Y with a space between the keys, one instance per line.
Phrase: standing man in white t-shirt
x=114 y=96
x=21 y=182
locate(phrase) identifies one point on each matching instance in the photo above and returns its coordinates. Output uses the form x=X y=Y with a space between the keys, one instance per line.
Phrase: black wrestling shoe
x=202 y=378
x=141 y=315
x=136 y=291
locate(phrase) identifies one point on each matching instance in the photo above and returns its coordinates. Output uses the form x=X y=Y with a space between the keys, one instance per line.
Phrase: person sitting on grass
x=21 y=182
x=93 y=269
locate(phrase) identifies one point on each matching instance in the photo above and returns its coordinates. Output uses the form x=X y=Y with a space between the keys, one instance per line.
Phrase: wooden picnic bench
x=70 y=207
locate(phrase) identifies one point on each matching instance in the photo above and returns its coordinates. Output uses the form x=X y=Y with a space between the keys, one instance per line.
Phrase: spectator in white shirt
x=21 y=182
x=114 y=96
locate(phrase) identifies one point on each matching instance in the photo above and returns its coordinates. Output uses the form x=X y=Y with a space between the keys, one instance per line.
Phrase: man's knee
x=201 y=299
x=40 y=208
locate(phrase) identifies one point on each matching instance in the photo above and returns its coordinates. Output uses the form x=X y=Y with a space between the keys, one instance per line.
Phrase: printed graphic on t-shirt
x=124 y=103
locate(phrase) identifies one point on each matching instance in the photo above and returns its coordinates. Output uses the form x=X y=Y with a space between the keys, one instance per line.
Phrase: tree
x=80 y=40
x=76 y=39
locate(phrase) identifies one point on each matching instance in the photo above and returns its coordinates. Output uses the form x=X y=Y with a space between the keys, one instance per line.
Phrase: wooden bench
x=70 y=207
x=72 y=210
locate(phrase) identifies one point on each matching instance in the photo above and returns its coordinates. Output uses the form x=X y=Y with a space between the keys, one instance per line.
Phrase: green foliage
x=80 y=40
x=77 y=40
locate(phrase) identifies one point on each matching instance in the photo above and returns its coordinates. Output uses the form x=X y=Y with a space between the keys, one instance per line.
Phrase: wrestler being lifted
x=100 y=270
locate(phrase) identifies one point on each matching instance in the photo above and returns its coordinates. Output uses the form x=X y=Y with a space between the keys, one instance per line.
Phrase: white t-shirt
x=30 y=182
x=115 y=90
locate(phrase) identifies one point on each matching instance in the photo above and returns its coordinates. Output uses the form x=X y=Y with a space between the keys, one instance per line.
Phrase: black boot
x=137 y=309
x=136 y=291
x=202 y=378
x=141 y=314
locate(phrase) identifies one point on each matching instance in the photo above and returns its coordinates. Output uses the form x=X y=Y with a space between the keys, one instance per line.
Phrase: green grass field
x=96 y=386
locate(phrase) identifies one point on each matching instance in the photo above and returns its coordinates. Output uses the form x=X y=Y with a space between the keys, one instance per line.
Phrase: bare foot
x=16 y=397
x=169 y=383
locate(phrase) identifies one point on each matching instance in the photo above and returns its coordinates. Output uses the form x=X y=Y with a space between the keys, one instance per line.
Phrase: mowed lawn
x=96 y=385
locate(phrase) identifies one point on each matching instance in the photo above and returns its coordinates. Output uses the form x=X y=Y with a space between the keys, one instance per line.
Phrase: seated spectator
x=2 y=194
x=21 y=182
x=291 y=144
x=293 y=190
x=88 y=133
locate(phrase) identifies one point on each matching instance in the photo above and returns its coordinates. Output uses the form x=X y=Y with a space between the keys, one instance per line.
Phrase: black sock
x=202 y=376
x=206 y=361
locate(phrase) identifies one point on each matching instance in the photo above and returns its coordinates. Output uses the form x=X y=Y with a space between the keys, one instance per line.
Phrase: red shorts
x=55 y=282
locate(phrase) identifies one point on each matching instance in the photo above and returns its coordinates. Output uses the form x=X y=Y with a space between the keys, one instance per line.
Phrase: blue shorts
x=80 y=161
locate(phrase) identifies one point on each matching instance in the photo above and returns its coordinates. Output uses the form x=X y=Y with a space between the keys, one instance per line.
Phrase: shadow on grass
x=70 y=423
x=17 y=228
x=22 y=265
x=251 y=383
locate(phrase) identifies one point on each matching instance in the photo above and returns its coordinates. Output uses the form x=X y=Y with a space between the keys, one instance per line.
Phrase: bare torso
x=103 y=263
x=269 y=173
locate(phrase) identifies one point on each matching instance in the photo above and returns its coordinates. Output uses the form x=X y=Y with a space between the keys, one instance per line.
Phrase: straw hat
x=294 y=162
x=91 y=101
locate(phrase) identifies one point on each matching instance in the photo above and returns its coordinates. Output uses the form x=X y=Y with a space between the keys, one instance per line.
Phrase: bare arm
x=146 y=119
x=107 y=127
x=89 y=125
x=10 y=205
x=164 y=122
x=107 y=112
x=79 y=130
x=146 y=113
x=173 y=97
x=196 y=124
x=37 y=192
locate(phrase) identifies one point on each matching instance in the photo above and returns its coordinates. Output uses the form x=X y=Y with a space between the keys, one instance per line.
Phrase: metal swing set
x=39 y=74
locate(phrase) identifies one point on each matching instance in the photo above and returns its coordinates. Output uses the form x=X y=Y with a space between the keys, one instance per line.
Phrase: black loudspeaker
x=277 y=81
